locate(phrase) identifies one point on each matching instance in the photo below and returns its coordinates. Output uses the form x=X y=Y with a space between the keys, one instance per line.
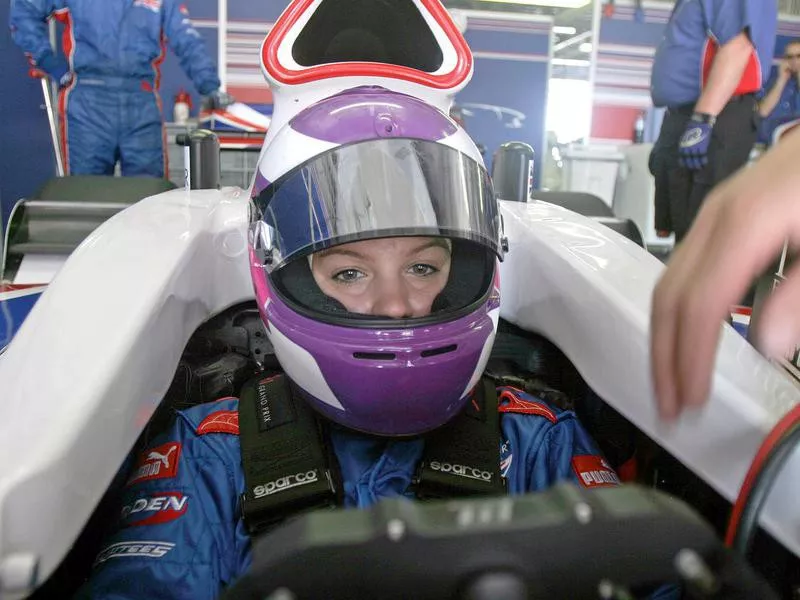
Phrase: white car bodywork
x=99 y=349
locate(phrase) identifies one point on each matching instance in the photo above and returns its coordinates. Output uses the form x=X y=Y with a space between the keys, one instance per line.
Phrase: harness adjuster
x=282 y=498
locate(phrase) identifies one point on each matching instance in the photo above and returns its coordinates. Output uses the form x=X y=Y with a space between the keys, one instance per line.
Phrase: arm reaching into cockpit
x=741 y=229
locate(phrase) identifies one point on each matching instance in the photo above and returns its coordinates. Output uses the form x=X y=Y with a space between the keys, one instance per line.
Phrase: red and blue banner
x=16 y=301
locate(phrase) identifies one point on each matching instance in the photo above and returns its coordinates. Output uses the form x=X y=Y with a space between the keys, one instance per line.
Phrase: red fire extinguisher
x=181 y=108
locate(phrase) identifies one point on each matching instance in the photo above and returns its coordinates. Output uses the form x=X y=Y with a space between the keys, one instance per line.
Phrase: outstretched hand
x=740 y=230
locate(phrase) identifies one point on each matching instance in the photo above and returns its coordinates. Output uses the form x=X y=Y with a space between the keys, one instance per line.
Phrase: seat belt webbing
x=462 y=458
x=286 y=468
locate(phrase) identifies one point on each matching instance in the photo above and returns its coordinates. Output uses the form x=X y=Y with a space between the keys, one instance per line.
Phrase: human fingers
x=699 y=161
x=668 y=296
x=756 y=204
x=663 y=319
x=779 y=325
x=686 y=161
x=748 y=235
x=694 y=160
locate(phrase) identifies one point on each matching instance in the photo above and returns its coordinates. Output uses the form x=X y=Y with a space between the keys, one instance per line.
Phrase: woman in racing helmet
x=375 y=262
x=374 y=265
x=374 y=238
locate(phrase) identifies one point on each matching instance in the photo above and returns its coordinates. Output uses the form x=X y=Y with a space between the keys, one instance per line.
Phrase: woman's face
x=396 y=277
x=792 y=56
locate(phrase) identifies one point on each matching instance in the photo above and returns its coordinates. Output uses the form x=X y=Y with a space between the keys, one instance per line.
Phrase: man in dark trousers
x=108 y=102
x=712 y=62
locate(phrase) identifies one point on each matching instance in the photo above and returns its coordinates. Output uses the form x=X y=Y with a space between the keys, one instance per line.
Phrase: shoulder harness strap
x=463 y=457
x=286 y=466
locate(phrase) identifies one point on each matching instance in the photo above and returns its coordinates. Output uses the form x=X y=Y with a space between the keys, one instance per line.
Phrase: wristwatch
x=704 y=118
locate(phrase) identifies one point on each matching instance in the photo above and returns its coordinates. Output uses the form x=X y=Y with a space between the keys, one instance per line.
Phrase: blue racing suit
x=682 y=67
x=180 y=534
x=787 y=109
x=108 y=103
x=693 y=36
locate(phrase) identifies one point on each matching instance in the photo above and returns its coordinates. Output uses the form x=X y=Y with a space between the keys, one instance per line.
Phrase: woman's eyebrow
x=433 y=243
x=343 y=251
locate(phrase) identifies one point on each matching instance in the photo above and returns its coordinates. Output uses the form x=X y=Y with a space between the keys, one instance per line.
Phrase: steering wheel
x=568 y=542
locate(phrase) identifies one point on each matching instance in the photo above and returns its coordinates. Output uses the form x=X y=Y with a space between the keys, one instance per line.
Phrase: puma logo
x=164 y=458
x=158 y=463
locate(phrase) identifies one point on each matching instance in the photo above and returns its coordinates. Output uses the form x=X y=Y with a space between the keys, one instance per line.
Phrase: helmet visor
x=379 y=188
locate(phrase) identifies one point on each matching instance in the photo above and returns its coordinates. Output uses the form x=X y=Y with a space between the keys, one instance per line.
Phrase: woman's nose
x=392 y=299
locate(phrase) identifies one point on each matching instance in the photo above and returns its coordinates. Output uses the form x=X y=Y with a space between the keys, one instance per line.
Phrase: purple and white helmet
x=363 y=163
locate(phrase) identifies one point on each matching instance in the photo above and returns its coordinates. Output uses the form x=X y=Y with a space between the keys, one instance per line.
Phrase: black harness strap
x=286 y=466
x=463 y=457
x=288 y=463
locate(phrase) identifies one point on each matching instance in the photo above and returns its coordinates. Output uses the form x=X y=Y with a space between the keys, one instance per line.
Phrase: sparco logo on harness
x=461 y=470
x=285 y=483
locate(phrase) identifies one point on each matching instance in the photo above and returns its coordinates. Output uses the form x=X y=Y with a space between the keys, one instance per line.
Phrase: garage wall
x=204 y=17
x=624 y=62
x=505 y=100
x=248 y=24
x=26 y=155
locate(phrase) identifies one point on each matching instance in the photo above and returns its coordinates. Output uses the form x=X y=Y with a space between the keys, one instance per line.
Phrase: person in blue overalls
x=707 y=72
x=108 y=103
x=781 y=103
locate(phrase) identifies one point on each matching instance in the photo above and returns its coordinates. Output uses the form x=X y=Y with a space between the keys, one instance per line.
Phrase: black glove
x=696 y=141
x=216 y=100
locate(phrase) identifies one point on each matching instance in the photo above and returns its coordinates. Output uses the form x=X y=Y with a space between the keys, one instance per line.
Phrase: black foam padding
x=386 y=31
x=582 y=203
x=471 y=272
x=350 y=43
x=296 y=284
x=625 y=227
x=101 y=188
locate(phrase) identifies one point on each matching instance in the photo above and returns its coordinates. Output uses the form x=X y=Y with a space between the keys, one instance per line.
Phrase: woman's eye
x=422 y=270
x=348 y=275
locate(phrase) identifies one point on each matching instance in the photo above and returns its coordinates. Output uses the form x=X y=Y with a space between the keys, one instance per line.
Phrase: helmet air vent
x=374 y=355
x=438 y=351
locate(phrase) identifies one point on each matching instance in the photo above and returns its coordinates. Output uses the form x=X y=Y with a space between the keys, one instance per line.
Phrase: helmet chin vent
x=374 y=355
x=438 y=351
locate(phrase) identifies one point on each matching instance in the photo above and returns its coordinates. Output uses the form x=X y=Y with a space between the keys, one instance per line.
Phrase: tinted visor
x=379 y=188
